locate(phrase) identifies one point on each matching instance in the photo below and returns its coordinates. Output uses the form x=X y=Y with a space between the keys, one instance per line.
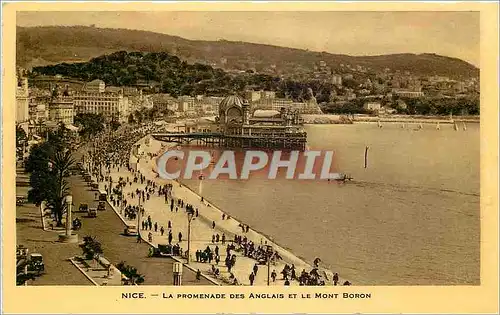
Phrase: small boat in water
x=379 y=124
x=455 y=126
x=465 y=127
x=437 y=126
x=342 y=178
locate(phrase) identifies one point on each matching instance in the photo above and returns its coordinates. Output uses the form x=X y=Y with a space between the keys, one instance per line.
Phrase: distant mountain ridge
x=38 y=46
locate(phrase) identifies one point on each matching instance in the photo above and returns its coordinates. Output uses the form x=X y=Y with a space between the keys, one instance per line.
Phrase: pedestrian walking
x=180 y=237
x=251 y=278
x=162 y=230
x=213 y=224
x=335 y=279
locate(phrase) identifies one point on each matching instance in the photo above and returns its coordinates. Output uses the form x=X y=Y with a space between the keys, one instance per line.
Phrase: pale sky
x=453 y=34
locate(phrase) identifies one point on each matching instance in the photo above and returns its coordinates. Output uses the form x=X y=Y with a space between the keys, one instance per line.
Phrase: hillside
x=38 y=46
x=175 y=76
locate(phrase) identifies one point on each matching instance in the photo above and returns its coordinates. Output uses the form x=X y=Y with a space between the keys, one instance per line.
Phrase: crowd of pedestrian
x=112 y=151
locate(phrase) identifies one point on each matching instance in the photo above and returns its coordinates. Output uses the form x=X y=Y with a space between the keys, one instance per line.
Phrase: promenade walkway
x=202 y=230
x=108 y=229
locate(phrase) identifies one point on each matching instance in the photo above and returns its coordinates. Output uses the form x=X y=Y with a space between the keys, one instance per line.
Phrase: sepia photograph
x=248 y=148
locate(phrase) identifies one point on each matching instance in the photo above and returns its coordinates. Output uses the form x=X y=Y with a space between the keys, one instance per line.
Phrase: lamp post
x=201 y=177
x=190 y=218
x=139 y=218
x=269 y=253
x=68 y=236
x=69 y=202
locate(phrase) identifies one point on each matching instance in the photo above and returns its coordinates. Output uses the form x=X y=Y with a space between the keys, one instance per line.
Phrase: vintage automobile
x=35 y=263
x=131 y=230
x=101 y=206
x=83 y=207
x=92 y=213
x=21 y=252
x=103 y=195
x=21 y=200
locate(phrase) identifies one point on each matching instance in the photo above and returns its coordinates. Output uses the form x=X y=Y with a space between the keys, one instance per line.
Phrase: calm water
x=410 y=217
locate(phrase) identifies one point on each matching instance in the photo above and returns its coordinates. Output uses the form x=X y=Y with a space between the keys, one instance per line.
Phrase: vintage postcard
x=273 y=157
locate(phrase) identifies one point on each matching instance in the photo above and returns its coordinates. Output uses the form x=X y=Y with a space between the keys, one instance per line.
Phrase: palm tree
x=61 y=163
x=91 y=248
x=131 y=273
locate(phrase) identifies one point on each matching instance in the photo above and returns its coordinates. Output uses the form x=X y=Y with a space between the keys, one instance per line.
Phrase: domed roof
x=263 y=113
x=231 y=101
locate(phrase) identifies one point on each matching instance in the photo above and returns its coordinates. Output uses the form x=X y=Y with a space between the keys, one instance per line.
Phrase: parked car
x=103 y=195
x=83 y=207
x=131 y=230
x=21 y=252
x=101 y=206
x=35 y=263
x=21 y=200
x=92 y=212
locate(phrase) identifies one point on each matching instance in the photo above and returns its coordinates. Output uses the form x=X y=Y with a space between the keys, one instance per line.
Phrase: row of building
x=402 y=83
x=55 y=105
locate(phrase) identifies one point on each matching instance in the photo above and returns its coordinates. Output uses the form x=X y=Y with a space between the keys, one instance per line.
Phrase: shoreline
x=335 y=119
x=216 y=212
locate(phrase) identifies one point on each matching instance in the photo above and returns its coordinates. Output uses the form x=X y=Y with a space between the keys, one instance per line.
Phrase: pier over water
x=238 y=127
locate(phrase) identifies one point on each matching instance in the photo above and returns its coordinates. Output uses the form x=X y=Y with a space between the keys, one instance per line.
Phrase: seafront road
x=201 y=230
x=107 y=228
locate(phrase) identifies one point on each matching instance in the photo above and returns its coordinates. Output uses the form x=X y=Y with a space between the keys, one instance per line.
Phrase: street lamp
x=268 y=254
x=139 y=218
x=190 y=218
x=69 y=236
x=69 y=202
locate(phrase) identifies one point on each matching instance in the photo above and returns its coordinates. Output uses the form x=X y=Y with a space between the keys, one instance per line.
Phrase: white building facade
x=62 y=110
x=110 y=105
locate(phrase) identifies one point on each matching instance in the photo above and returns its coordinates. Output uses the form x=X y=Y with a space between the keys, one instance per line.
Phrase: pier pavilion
x=237 y=126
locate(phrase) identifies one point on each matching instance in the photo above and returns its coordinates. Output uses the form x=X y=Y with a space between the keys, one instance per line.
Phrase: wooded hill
x=56 y=44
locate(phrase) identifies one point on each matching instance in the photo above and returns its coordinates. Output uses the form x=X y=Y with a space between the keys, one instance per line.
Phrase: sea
x=410 y=217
